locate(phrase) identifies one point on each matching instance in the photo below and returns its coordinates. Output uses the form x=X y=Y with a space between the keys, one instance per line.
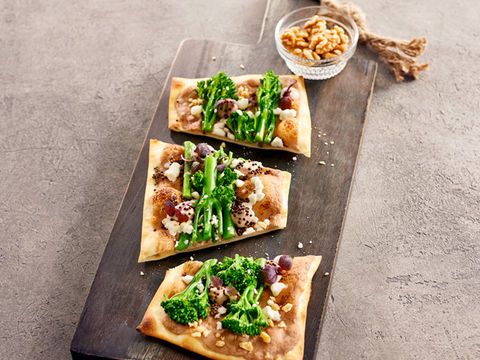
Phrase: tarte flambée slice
x=286 y=312
x=237 y=199
x=288 y=112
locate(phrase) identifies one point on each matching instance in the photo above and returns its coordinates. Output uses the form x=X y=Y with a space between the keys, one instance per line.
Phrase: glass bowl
x=316 y=69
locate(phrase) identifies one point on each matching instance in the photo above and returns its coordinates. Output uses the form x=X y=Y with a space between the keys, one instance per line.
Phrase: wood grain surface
x=318 y=198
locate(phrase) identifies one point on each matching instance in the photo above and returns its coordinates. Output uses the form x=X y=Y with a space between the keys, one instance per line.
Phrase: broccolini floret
x=245 y=316
x=239 y=272
x=192 y=303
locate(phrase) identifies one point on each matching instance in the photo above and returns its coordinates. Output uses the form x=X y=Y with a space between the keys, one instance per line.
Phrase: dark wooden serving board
x=318 y=199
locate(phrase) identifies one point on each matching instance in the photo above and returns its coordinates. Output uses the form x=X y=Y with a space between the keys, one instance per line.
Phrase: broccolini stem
x=210 y=174
x=228 y=225
x=189 y=147
x=183 y=241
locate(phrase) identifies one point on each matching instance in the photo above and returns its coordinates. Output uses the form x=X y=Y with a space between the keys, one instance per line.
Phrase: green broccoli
x=192 y=303
x=198 y=180
x=245 y=316
x=268 y=98
x=239 y=272
x=220 y=86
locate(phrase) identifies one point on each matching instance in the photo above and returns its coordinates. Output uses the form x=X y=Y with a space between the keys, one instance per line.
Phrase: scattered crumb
x=282 y=324
x=220 y=343
x=300 y=245
x=322 y=162
x=332 y=164
x=324 y=134
x=191 y=258
x=196 y=334
x=328 y=152
x=332 y=142
x=327 y=273
x=294 y=158
x=325 y=143
x=310 y=242
x=319 y=135
x=242 y=67
x=287 y=307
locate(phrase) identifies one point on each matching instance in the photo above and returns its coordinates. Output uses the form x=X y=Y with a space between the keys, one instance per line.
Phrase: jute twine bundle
x=400 y=55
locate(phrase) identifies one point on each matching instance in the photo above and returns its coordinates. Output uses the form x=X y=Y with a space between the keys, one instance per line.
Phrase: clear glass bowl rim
x=312 y=63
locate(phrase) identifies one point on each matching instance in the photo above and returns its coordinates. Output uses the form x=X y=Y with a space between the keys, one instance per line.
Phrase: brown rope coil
x=400 y=55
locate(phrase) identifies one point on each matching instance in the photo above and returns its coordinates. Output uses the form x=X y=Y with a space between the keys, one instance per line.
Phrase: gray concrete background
x=79 y=84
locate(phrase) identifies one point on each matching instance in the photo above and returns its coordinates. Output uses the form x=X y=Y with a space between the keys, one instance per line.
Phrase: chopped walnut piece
x=265 y=337
x=287 y=307
x=220 y=343
x=246 y=345
x=273 y=305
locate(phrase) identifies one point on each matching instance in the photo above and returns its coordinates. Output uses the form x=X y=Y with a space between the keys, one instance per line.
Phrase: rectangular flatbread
x=266 y=212
x=292 y=132
x=284 y=338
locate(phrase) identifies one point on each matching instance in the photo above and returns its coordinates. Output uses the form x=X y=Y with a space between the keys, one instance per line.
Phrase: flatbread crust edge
x=154 y=246
x=152 y=324
x=304 y=129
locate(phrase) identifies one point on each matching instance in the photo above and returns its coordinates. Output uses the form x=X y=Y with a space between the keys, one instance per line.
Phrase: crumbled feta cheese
x=248 y=231
x=195 y=195
x=186 y=227
x=271 y=314
x=277 y=142
x=277 y=288
x=257 y=194
x=214 y=220
x=257 y=113
x=196 y=110
x=277 y=111
x=250 y=114
x=235 y=163
x=187 y=279
x=173 y=171
x=242 y=104
x=171 y=225
x=174 y=227
x=300 y=245
x=219 y=325
x=287 y=114
x=218 y=129
x=200 y=287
